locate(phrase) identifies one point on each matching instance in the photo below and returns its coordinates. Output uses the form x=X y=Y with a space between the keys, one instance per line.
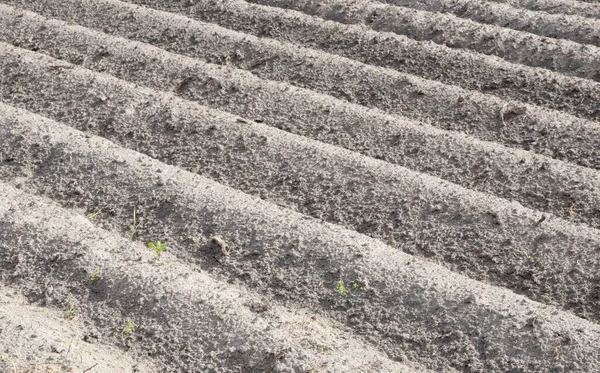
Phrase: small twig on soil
x=68 y=350
x=90 y=368
x=261 y=61
x=171 y=278
x=134 y=226
x=184 y=83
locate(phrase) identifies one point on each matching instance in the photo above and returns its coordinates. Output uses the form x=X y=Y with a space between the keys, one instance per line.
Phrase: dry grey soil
x=343 y=186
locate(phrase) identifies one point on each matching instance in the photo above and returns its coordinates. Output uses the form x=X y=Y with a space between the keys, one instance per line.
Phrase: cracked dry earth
x=343 y=186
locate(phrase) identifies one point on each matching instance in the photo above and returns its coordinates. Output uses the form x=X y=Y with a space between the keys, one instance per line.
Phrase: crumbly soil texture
x=299 y=186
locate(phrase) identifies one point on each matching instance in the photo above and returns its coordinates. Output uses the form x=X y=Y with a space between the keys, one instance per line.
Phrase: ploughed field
x=342 y=186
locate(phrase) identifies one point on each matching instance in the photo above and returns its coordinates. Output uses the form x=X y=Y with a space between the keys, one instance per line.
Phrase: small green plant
x=71 y=312
x=158 y=248
x=527 y=255
x=341 y=289
x=355 y=286
x=93 y=216
x=95 y=275
x=134 y=226
x=129 y=328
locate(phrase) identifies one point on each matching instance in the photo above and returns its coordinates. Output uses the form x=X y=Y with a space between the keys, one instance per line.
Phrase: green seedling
x=341 y=288
x=71 y=312
x=95 y=275
x=527 y=255
x=355 y=286
x=93 y=216
x=158 y=248
x=129 y=328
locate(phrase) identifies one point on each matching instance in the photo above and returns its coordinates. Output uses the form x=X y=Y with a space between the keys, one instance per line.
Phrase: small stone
x=218 y=240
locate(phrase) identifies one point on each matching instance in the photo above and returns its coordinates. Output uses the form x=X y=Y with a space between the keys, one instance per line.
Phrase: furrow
x=568 y=27
x=573 y=7
x=485 y=117
x=34 y=338
x=500 y=171
x=410 y=308
x=180 y=34
x=183 y=319
x=257 y=159
x=560 y=55
x=394 y=51
x=498 y=39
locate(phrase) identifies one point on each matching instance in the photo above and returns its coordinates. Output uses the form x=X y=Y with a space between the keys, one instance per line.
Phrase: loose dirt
x=349 y=186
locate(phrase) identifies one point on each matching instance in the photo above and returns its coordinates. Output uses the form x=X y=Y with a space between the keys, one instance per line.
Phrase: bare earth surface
x=343 y=186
